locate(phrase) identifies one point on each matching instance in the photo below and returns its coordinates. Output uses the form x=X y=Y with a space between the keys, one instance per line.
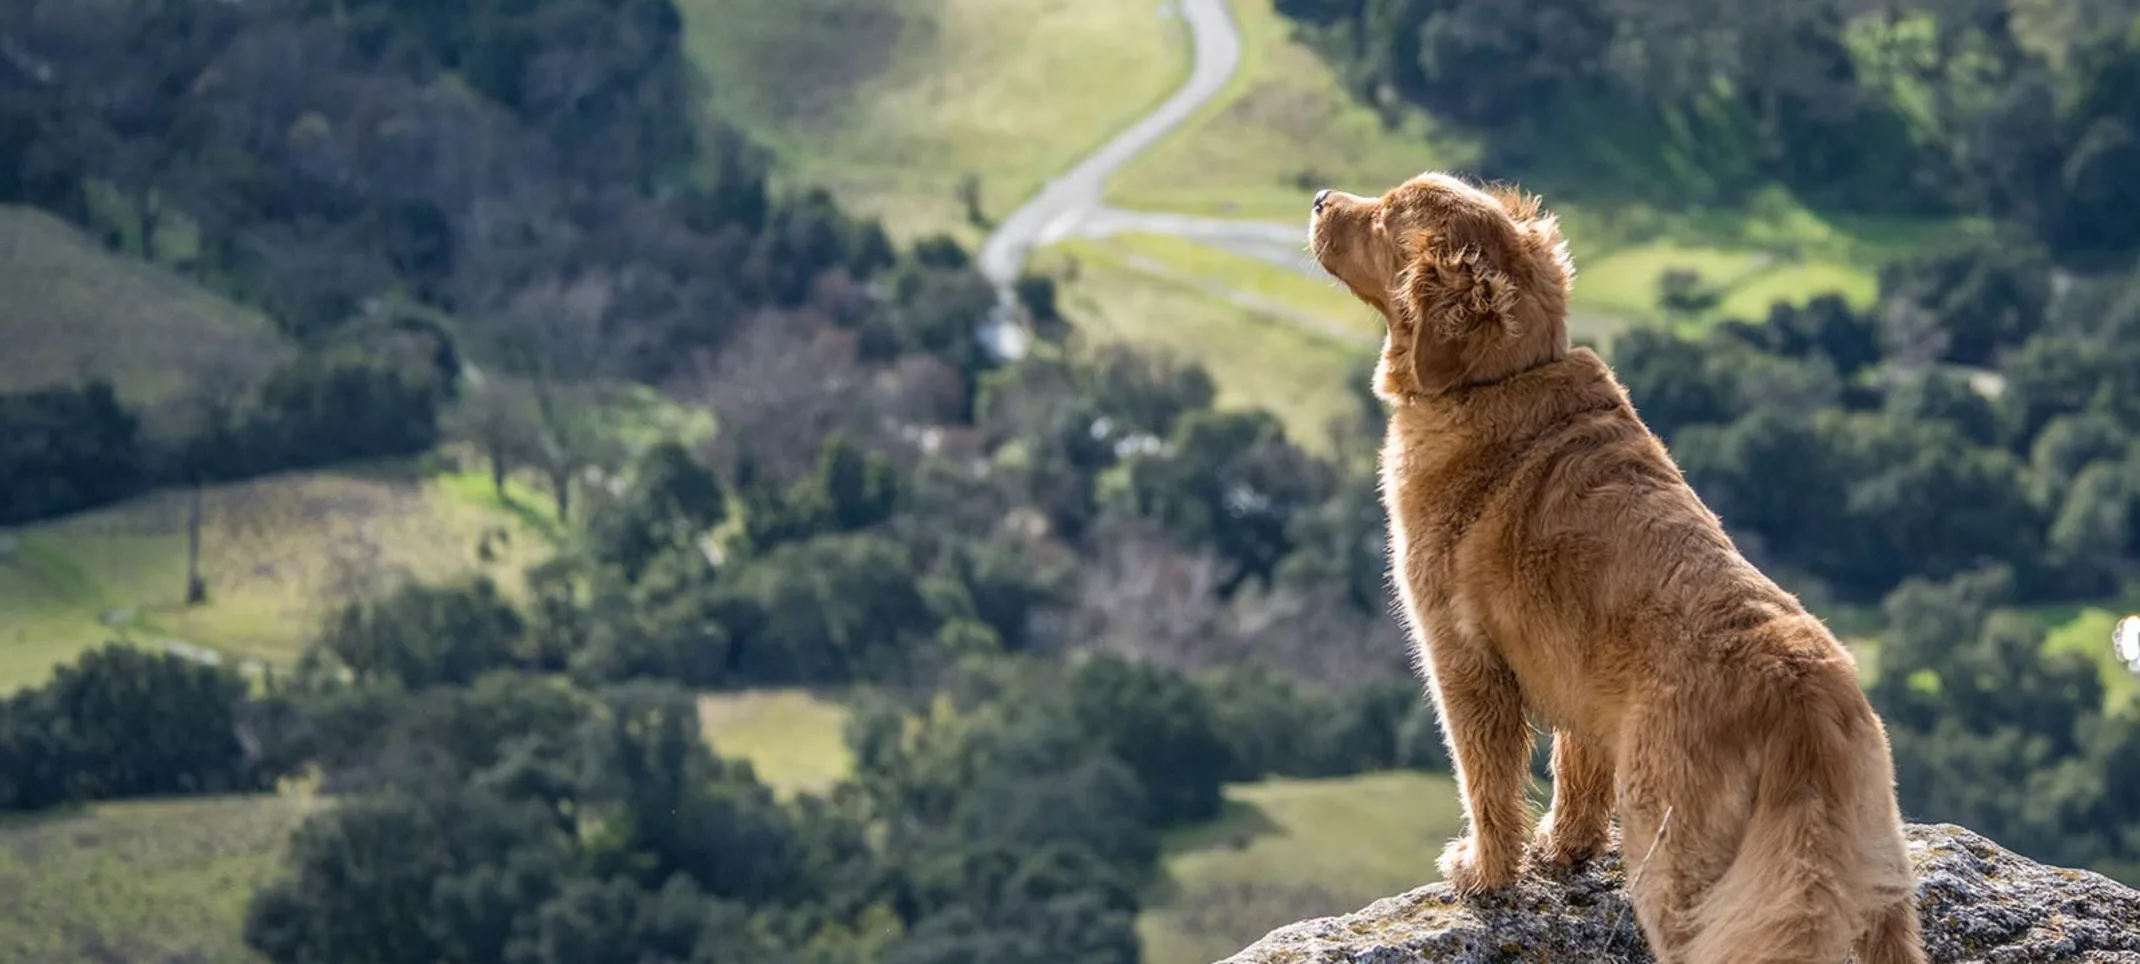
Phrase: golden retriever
x=1553 y=563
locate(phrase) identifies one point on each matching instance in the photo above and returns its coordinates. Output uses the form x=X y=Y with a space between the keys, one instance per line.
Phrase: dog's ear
x=1456 y=298
x=1537 y=230
x=1543 y=233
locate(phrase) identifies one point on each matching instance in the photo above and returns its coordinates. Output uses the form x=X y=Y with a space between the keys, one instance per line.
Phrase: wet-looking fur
x=1553 y=564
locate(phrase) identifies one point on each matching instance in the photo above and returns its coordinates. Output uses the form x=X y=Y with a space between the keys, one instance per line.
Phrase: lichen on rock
x=1979 y=901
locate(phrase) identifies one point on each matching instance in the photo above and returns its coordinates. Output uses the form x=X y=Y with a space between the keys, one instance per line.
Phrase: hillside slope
x=891 y=104
x=276 y=552
x=74 y=310
x=1285 y=848
x=140 y=881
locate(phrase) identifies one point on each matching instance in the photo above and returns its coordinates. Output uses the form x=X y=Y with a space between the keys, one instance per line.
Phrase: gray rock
x=1980 y=903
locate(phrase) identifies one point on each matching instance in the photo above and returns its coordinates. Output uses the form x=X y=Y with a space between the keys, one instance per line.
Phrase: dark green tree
x=426 y=635
x=1161 y=724
x=1230 y=481
x=671 y=501
x=143 y=724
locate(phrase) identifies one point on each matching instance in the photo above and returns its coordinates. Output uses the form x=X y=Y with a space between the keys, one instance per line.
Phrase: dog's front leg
x=1580 y=821
x=1481 y=710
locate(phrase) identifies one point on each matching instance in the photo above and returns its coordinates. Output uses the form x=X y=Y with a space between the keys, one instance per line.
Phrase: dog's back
x=1753 y=778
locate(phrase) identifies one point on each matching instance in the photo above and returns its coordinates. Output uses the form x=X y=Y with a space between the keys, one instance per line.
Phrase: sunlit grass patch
x=1285 y=850
x=276 y=552
x=794 y=739
x=149 y=880
x=1255 y=359
x=891 y=104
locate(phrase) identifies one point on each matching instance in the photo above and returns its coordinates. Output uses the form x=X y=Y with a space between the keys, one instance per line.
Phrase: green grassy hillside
x=891 y=103
x=1268 y=349
x=140 y=881
x=275 y=552
x=74 y=310
x=1317 y=296
x=1284 y=850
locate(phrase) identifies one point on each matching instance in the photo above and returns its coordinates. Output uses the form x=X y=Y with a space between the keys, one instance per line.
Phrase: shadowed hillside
x=75 y=310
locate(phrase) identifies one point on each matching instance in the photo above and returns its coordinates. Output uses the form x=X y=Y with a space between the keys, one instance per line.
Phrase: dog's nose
x=1319 y=196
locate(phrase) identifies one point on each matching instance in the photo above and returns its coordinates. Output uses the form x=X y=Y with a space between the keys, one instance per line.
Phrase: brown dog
x=1554 y=562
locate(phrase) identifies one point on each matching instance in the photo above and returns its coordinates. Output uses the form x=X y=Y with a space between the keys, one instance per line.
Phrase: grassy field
x=1256 y=359
x=1320 y=297
x=1286 y=126
x=75 y=310
x=168 y=880
x=2086 y=630
x=275 y=552
x=891 y=104
x=792 y=738
x=139 y=881
x=1284 y=850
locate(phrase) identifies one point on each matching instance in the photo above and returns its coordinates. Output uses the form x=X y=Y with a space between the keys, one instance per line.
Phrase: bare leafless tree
x=499 y=417
x=781 y=385
x=1315 y=633
x=208 y=411
x=1912 y=338
x=549 y=335
x=1146 y=597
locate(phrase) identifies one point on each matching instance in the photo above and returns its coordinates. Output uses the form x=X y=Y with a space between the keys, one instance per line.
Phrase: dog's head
x=1473 y=281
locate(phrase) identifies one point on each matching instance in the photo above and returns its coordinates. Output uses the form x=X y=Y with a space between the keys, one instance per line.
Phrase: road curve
x=1064 y=201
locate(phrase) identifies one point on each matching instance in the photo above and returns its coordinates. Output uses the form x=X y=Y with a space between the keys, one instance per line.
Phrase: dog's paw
x=1568 y=846
x=1471 y=870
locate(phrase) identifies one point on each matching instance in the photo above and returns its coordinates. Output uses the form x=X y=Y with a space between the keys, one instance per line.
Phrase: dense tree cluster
x=123 y=722
x=1992 y=731
x=1920 y=106
x=1004 y=813
x=1966 y=451
x=533 y=185
x=65 y=449
x=1862 y=449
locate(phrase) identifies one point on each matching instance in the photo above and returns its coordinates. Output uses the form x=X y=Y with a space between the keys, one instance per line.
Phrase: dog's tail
x=1814 y=865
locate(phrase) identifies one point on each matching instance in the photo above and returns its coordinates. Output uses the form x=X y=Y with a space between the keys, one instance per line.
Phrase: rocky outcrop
x=1980 y=903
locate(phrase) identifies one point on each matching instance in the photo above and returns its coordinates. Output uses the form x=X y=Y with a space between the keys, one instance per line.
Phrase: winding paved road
x=1072 y=205
x=1054 y=212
